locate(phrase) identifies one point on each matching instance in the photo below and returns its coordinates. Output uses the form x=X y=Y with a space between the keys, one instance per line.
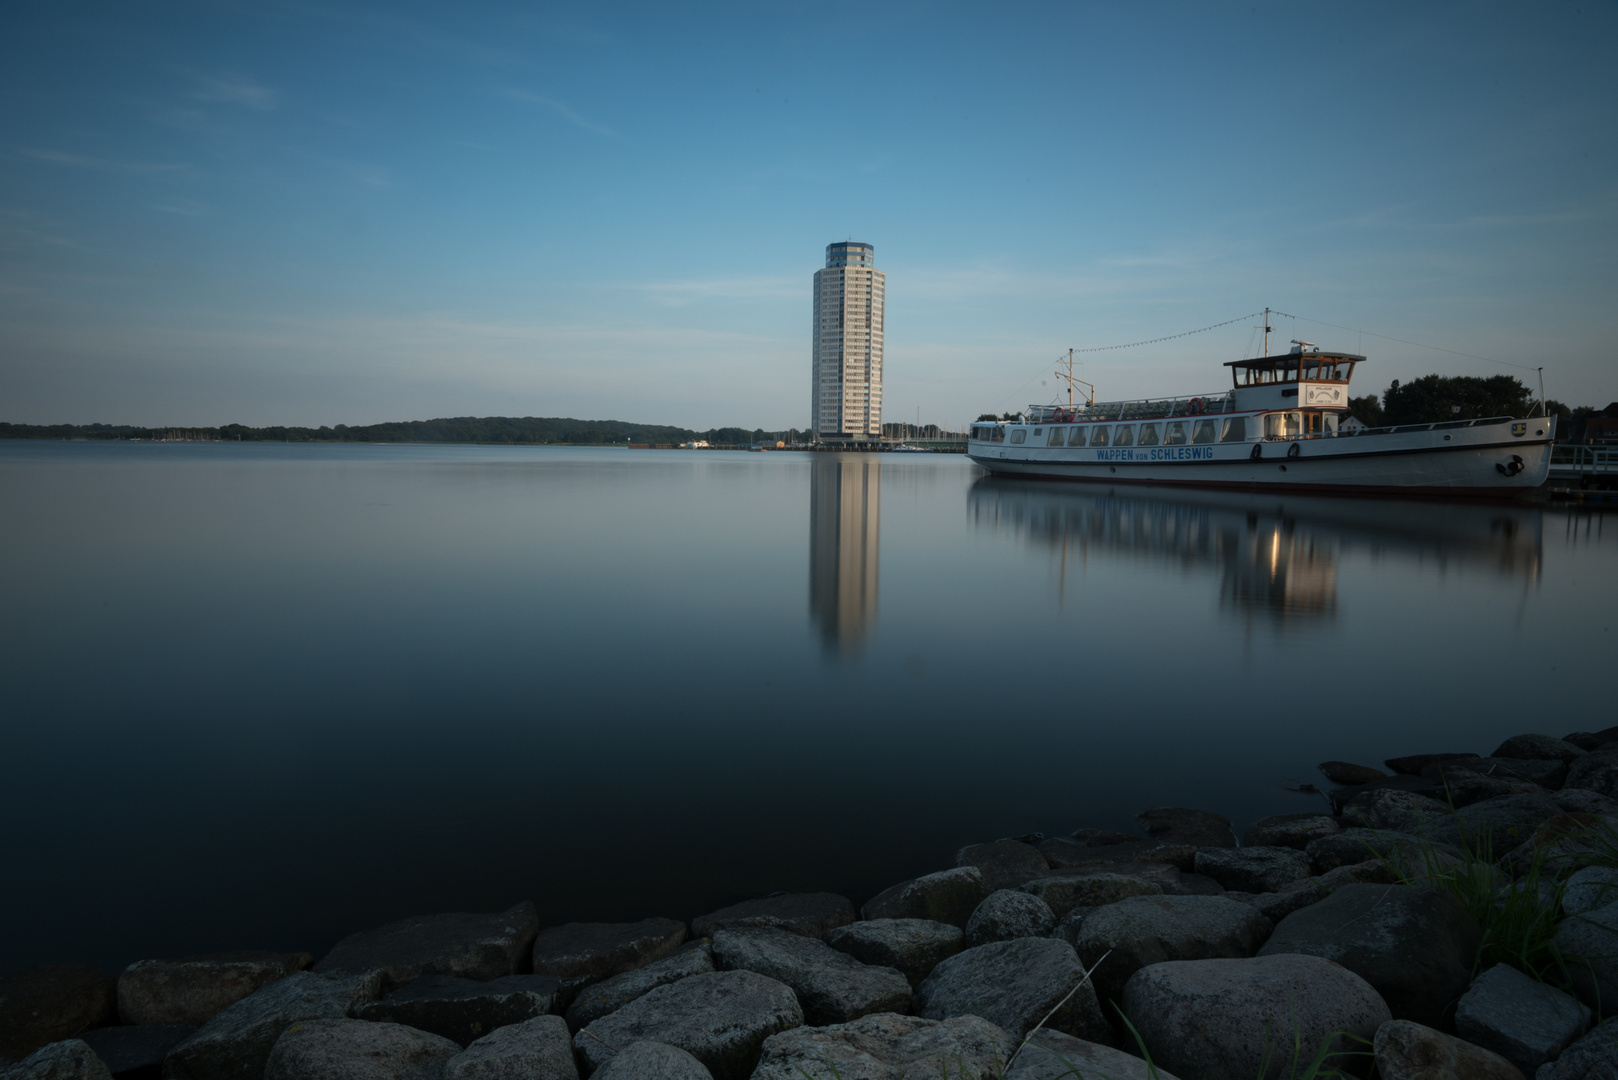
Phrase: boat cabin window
x=1202 y=431
x=1098 y=436
x=1149 y=434
x=1174 y=435
x=1283 y=425
x=1039 y=431
x=1331 y=422
x=1123 y=435
x=1235 y=430
x=1076 y=436
x=1019 y=436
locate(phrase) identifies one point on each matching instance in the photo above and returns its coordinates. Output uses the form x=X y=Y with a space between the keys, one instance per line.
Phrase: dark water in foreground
x=260 y=696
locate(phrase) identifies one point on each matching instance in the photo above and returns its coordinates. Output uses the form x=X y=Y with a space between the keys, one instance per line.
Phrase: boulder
x=45 y=1004
x=832 y=986
x=136 y=1050
x=1277 y=905
x=1494 y=827
x=193 y=989
x=1462 y=787
x=1410 y=1051
x=462 y=1010
x=1583 y=801
x=1341 y=798
x=1063 y=854
x=949 y=896
x=1596 y=771
x=1562 y=843
x=721 y=1019
x=1593 y=1057
x=1006 y=864
x=1154 y=929
x=647 y=1060
x=810 y=914
x=610 y=995
x=1101 y=837
x=583 y=953
x=536 y=1049
x=1014 y=985
x=1414 y=943
x=69 y=1059
x=1051 y=1055
x=1351 y=847
x=1547 y=773
x=1591 y=888
x=1539 y=747
x=1007 y=914
x=1253 y=869
x=355 y=1050
x=1412 y=765
x=888 y=1047
x=1346 y=772
x=468 y=945
x=1586 y=740
x=1522 y=1019
x=1221 y=1019
x=1063 y=892
x=913 y=947
x=1395 y=811
x=1290 y=830
x=1590 y=941
x=1198 y=828
x=237 y=1041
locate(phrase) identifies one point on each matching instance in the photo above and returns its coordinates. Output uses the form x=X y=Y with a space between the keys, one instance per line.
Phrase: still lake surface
x=259 y=696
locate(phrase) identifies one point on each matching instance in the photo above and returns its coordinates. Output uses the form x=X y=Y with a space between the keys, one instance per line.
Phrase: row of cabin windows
x=1294 y=369
x=1279 y=425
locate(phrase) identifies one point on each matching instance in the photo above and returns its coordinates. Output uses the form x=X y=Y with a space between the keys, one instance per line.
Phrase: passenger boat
x=1280 y=425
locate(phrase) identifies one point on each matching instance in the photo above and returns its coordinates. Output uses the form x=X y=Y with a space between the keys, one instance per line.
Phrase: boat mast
x=1068 y=375
x=1266 y=331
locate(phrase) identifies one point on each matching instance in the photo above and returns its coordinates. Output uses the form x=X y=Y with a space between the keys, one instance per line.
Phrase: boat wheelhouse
x=1280 y=424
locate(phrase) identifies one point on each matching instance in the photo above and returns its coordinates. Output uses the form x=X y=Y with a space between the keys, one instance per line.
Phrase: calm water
x=260 y=696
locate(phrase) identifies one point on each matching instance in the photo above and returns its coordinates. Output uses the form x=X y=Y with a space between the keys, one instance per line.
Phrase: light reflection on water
x=259 y=696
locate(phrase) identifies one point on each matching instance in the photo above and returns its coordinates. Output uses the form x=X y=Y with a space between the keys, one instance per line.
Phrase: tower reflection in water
x=845 y=498
x=1276 y=555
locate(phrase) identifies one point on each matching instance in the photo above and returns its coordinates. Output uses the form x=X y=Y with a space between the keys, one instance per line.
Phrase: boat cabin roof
x=1308 y=365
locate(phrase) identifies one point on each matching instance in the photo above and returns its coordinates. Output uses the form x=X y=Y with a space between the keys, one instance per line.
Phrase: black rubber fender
x=1294 y=450
x=1258 y=451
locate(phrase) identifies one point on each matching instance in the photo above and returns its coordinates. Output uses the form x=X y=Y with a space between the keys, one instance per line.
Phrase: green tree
x=1461 y=397
x=1367 y=409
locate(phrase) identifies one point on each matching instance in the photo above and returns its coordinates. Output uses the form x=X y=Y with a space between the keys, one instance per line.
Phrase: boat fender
x=1258 y=451
x=1511 y=468
x=1195 y=407
x=1294 y=450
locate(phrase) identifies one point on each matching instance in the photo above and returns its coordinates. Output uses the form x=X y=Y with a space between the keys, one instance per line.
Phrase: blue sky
x=338 y=213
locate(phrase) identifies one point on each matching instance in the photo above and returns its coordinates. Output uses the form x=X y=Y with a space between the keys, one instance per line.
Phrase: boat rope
x=1402 y=341
x=1171 y=337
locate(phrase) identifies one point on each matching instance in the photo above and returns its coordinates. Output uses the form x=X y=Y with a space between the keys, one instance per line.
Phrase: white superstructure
x=846 y=392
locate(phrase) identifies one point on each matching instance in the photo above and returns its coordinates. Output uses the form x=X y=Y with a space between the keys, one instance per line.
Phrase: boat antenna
x=1068 y=375
x=1267 y=329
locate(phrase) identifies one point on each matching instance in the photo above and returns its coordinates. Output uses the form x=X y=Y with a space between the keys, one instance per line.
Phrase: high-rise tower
x=847 y=390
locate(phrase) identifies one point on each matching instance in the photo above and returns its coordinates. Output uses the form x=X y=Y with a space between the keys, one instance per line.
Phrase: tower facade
x=847 y=369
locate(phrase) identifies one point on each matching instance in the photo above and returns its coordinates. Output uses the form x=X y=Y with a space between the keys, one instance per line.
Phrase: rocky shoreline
x=1344 y=939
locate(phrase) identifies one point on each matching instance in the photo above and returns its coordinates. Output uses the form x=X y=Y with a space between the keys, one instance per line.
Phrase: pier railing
x=1593 y=459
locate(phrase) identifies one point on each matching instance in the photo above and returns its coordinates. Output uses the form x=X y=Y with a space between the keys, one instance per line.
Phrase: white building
x=847 y=389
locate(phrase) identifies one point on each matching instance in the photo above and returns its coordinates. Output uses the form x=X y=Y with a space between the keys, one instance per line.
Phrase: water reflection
x=845 y=495
x=1277 y=555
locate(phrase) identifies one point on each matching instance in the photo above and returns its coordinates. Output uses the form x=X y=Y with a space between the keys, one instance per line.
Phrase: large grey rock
x=1006 y=864
x=463 y=1010
x=1062 y=853
x=1522 y=1019
x=721 y=1019
x=647 y=1060
x=1590 y=941
x=1405 y=854
x=1593 y=1057
x=583 y=953
x=1591 y=888
x=1583 y=801
x=1154 y=929
x=949 y=896
x=888 y=1047
x=1290 y=830
x=191 y=990
x=1563 y=843
x=810 y=914
x=1413 y=764
x=1395 y=811
x=1014 y=984
x=1051 y=1055
x=832 y=986
x=1495 y=826
x=1546 y=773
x=610 y=995
x=236 y=1042
x=1346 y=772
x=355 y=1050
x=1539 y=747
x=136 y=1050
x=1586 y=740
x=69 y=1059
x=1410 y=1051
x=1007 y=914
x=45 y=1004
x=1596 y=771
x=1217 y=1019
x=1277 y=905
x=1062 y=892
x=1199 y=828
x=464 y=944
x=911 y=946
x=1414 y=943
x=1253 y=869
x=536 y=1049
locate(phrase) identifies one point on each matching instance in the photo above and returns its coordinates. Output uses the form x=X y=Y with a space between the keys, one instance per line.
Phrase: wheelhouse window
x=1203 y=431
x=1019 y=436
x=1076 y=436
x=1150 y=434
x=1174 y=434
x=1123 y=435
x=1098 y=436
x=1235 y=430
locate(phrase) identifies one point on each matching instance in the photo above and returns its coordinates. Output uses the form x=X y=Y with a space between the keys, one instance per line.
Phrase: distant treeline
x=1435 y=398
x=528 y=430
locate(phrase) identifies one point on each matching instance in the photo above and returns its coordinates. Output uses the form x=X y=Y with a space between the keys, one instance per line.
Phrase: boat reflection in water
x=1277 y=555
x=845 y=500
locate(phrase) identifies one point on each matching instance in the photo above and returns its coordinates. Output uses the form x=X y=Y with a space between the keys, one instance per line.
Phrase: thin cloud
x=235 y=91
x=562 y=110
x=681 y=293
x=81 y=161
x=183 y=208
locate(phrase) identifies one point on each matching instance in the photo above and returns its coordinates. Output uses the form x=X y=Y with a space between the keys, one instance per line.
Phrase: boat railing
x=1397 y=429
x=1136 y=409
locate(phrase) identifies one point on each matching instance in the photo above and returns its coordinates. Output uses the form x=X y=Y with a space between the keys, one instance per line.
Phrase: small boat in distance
x=1280 y=425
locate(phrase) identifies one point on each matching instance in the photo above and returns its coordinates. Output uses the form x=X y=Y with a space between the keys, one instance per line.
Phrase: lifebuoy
x=1258 y=451
x=1294 y=450
x=1195 y=407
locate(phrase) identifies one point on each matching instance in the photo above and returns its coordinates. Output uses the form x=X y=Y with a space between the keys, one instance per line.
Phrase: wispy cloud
x=183 y=208
x=234 y=90
x=82 y=161
x=561 y=109
x=681 y=293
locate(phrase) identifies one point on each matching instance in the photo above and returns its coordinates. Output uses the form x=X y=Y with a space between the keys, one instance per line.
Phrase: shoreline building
x=847 y=377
